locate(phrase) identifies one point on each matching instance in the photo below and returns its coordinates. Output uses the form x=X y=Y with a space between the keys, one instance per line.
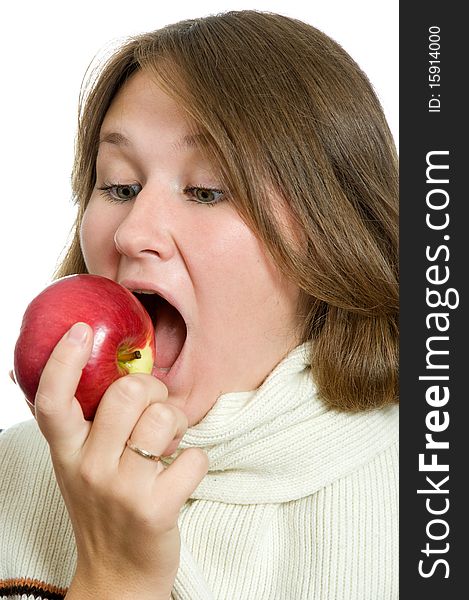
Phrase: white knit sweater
x=300 y=502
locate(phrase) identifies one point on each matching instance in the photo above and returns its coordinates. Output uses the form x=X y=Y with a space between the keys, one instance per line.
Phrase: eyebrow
x=187 y=141
x=115 y=138
x=192 y=140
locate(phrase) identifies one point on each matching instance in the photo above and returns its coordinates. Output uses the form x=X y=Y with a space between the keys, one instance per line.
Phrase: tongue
x=170 y=334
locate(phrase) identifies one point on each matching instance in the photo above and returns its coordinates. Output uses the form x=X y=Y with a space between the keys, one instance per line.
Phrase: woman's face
x=158 y=221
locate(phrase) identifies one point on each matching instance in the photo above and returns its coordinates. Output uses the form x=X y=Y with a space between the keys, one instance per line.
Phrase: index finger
x=58 y=413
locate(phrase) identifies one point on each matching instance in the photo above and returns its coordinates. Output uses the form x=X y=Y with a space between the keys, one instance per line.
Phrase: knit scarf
x=277 y=444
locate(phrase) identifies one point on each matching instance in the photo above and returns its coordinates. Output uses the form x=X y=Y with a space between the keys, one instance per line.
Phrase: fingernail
x=78 y=334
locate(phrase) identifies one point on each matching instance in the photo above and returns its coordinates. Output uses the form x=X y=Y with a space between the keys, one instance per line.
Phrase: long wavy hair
x=286 y=114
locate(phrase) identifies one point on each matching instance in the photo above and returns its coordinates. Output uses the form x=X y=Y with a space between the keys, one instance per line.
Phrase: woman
x=236 y=171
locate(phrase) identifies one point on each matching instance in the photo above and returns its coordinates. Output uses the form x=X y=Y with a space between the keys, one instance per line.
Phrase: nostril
x=117 y=244
x=135 y=239
x=131 y=246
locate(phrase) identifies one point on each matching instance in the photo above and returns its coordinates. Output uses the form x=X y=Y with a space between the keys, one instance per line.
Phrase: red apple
x=124 y=339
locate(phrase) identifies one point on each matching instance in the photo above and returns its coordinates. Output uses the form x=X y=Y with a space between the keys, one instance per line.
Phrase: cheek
x=243 y=279
x=97 y=239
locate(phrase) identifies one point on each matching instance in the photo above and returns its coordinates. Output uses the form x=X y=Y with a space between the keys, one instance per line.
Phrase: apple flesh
x=124 y=340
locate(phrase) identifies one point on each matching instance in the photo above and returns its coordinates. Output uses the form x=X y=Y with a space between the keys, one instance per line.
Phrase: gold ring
x=142 y=452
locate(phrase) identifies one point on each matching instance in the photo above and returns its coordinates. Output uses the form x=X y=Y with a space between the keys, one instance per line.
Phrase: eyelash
x=107 y=188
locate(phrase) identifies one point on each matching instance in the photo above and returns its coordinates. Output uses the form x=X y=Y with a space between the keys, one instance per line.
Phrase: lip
x=137 y=285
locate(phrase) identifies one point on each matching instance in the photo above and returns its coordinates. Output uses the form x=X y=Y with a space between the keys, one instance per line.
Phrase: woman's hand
x=123 y=507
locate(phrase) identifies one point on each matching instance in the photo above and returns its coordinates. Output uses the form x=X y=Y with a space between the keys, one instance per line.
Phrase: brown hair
x=286 y=113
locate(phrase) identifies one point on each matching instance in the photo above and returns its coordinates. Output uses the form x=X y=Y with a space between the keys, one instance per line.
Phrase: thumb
x=58 y=412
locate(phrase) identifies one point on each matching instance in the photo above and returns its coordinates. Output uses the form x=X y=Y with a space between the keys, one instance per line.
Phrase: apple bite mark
x=170 y=329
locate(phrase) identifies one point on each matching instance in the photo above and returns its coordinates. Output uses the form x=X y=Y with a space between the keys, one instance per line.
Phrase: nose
x=145 y=230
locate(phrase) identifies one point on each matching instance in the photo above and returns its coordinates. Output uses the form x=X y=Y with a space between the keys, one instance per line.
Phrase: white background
x=46 y=48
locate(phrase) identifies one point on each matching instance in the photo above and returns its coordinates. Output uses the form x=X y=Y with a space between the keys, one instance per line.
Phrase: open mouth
x=170 y=329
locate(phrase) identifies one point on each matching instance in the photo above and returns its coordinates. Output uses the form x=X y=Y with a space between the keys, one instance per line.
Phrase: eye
x=120 y=192
x=203 y=195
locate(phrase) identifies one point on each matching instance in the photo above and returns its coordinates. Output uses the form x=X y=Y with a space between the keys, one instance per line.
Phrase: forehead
x=143 y=110
x=141 y=101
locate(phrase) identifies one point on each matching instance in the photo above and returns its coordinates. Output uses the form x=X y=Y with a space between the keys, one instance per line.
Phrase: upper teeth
x=143 y=292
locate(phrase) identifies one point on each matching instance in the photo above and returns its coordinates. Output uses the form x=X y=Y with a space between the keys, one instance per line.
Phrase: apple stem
x=130 y=356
